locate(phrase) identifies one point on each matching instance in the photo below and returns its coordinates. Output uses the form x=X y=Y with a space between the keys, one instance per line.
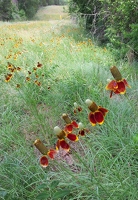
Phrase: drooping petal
x=112 y=85
x=111 y=93
x=121 y=87
x=92 y=119
x=51 y=153
x=126 y=83
x=44 y=161
x=75 y=125
x=69 y=128
x=103 y=110
x=72 y=137
x=57 y=145
x=63 y=144
x=116 y=91
x=99 y=118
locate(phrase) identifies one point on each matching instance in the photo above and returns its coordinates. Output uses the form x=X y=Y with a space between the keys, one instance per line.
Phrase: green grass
x=103 y=165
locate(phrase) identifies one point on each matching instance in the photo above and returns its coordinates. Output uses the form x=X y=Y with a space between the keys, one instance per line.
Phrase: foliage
x=23 y=9
x=104 y=162
x=13 y=11
x=111 y=21
x=5 y=10
x=30 y=7
x=131 y=36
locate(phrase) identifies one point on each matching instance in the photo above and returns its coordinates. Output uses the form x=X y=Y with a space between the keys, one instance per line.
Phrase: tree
x=6 y=10
x=111 y=21
x=29 y=6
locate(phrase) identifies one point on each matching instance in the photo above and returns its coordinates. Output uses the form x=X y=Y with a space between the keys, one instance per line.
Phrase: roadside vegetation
x=46 y=67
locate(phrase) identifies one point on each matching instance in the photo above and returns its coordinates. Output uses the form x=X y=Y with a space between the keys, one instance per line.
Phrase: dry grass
x=51 y=13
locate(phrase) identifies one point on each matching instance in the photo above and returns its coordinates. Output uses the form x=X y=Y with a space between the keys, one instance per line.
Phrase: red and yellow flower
x=44 y=150
x=28 y=78
x=77 y=108
x=97 y=114
x=37 y=82
x=69 y=124
x=62 y=135
x=11 y=67
x=117 y=86
x=82 y=130
x=39 y=64
x=8 y=77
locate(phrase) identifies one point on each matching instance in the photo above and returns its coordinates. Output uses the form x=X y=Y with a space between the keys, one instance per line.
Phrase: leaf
x=43 y=196
x=42 y=186
x=54 y=184
x=61 y=193
x=3 y=193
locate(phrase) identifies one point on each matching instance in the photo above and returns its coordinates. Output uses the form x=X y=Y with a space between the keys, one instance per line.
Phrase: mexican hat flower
x=11 y=67
x=39 y=64
x=117 y=86
x=82 y=130
x=44 y=150
x=8 y=77
x=69 y=124
x=62 y=135
x=77 y=108
x=97 y=113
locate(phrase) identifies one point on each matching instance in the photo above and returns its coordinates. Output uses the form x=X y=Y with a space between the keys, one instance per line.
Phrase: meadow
x=45 y=67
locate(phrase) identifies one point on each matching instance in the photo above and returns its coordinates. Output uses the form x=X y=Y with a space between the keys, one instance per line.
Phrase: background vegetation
x=114 y=22
x=23 y=9
x=103 y=165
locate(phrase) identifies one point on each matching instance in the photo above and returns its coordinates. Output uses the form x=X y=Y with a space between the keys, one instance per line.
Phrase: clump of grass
x=101 y=165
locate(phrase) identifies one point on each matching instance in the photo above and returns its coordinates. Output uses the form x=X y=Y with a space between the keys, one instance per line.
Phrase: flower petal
x=112 y=85
x=63 y=144
x=69 y=128
x=44 y=161
x=57 y=145
x=72 y=137
x=79 y=109
x=121 y=87
x=82 y=132
x=126 y=83
x=99 y=118
x=75 y=125
x=102 y=110
x=51 y=153
x=111 y=93
x=92 y=119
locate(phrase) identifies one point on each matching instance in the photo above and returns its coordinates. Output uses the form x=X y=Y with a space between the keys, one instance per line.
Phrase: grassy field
x=52 y=13
x=103 y=164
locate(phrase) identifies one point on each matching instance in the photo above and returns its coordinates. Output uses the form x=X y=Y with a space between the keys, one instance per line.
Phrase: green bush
x=30 y=7
x=114 y=22
x=5 y=10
